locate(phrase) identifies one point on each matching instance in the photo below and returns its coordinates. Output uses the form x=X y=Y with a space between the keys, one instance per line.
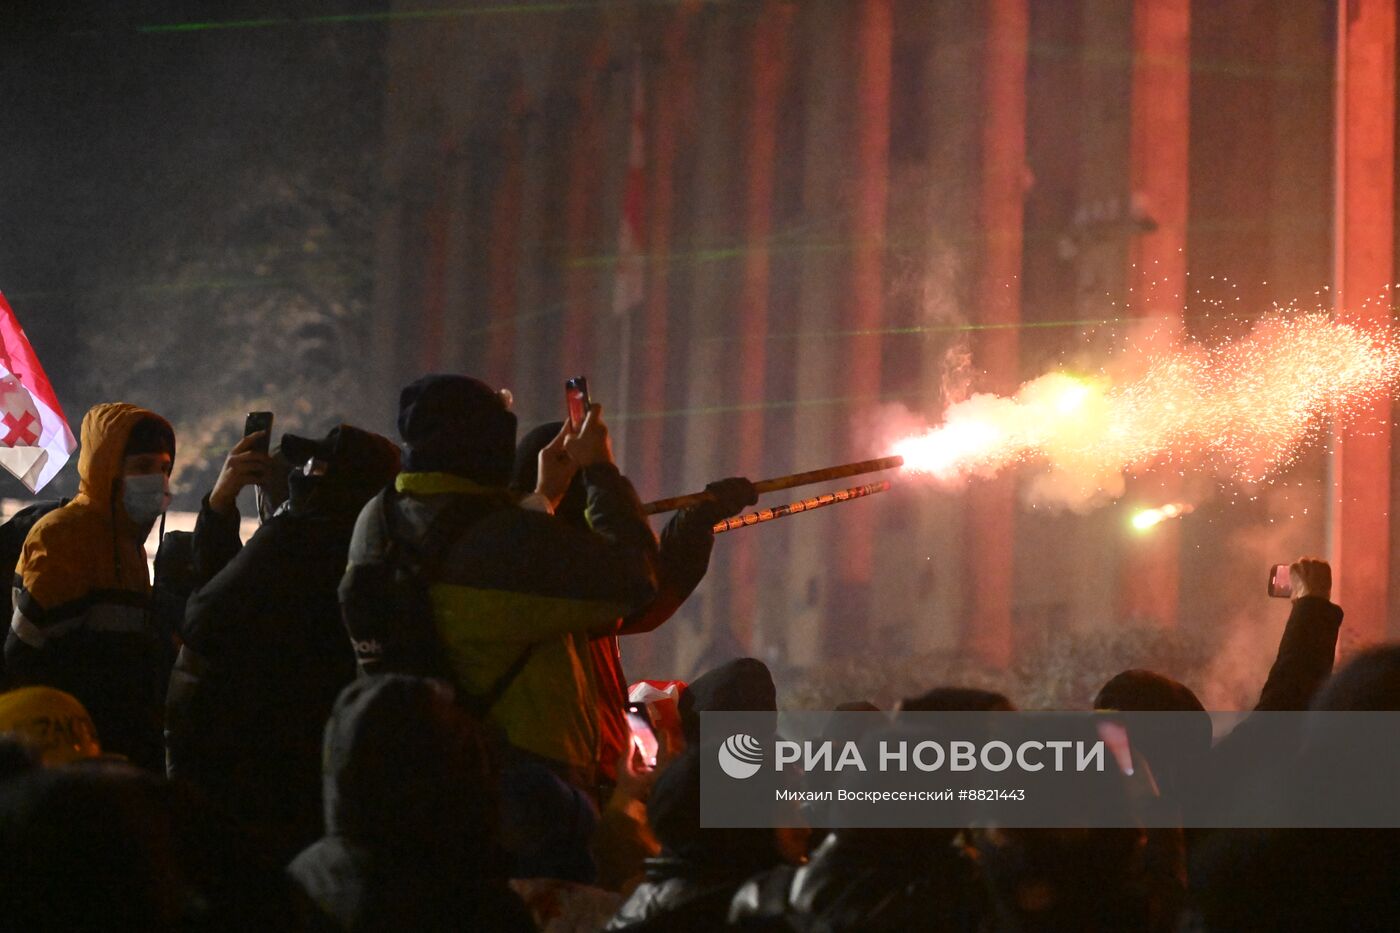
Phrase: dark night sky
x=114 y=135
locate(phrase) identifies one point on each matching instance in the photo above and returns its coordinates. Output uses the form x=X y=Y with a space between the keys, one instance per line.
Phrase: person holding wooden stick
x=684 y=558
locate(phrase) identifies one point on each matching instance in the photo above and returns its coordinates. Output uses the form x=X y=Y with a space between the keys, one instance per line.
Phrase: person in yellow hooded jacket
x=81 y=622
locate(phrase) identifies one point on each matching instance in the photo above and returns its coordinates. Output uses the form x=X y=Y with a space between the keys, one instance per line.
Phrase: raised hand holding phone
x=1309 y=576
x=246 y=465
x=591 y=444
x=556 y=469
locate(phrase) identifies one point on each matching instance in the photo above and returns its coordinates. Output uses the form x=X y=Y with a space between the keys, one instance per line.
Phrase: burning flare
x=1242 y=409
x=1147 y=519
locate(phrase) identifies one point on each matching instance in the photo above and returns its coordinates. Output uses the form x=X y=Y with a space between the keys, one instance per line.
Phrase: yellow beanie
x=51 y=722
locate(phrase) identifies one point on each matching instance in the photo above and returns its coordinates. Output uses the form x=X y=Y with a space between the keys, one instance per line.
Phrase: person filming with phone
x=684 y=558
x=265 y=653
x=452 y=575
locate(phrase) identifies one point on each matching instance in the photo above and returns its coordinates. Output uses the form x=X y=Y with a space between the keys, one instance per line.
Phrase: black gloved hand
x=727 y=497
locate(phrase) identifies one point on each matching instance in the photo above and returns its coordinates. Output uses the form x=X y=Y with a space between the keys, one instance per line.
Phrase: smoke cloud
x=1240 y=411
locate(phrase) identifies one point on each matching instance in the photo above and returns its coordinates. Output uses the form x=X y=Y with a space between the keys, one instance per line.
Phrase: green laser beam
x=1113 y=56
x=784 y=244
x=341 y=19
x=784 y=404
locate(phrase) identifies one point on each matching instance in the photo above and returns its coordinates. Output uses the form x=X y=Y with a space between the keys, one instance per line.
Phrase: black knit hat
x=150 y=436
x=457 y=424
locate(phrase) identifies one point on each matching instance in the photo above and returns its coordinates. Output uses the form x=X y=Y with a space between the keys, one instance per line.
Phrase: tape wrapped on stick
x=802 y=505
x=843 y=471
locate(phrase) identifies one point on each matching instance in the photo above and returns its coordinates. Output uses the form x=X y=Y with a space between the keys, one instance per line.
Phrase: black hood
x=404 y=767
x=957 y=700
x=527 y=471
x=1176 y=748
x=742 y=685
x=1147 y=691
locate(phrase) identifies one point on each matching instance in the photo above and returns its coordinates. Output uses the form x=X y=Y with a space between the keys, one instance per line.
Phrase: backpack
x=388 y=612
x=12 y=535
x=14 y=531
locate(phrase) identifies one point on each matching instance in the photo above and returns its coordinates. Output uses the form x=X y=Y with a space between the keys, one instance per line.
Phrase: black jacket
x=265 y=653
x=680 y=896
x=691 y=885
x=893 y=880
x=1250 y=753
x=265 y=656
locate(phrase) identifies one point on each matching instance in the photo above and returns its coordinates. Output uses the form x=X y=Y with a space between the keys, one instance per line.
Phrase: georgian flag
x=35 y=440
x=629 y=284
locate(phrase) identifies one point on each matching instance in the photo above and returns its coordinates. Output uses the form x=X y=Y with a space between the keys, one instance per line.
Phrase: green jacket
x=513 y=580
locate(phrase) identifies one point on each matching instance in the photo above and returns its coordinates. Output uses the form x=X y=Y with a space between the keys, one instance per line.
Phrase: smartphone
x=576 y=395
x=259 y=421
x=643 y=736
x=1115 y=736
x=1280 y=585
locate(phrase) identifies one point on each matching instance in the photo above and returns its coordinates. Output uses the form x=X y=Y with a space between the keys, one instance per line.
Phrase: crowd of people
x=401 y=705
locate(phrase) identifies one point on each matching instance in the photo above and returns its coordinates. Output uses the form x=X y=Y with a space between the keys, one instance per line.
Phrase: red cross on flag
x=35 y=440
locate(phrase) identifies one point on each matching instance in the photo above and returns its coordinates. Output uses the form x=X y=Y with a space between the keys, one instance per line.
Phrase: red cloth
x=614 y=736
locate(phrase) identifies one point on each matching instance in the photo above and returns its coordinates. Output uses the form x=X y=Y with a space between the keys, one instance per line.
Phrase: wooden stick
x=805 y=505
x=782 y=482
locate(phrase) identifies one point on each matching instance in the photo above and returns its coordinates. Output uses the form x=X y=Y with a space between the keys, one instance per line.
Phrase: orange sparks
x=1243 y=409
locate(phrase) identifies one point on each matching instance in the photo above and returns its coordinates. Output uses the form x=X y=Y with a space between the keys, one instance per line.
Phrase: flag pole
x=783 y=482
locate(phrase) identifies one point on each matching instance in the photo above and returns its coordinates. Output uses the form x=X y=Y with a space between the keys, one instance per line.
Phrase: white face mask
x=145 y=496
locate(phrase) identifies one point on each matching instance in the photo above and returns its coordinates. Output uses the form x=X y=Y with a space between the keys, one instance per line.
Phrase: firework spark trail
x=1242 y=410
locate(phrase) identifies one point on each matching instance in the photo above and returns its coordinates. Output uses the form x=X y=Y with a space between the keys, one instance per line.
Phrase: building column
x=1365 y=259
x=503 y=248
x=582 y=302
x=767 y=72
x=864 y=314
x=672 y=101
x=814 y=630
x=1149 y=574
x=991 y=516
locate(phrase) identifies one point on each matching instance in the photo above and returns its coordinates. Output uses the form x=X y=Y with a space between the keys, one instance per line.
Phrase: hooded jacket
x=409 y=816
x=514 y=580
x=741 y=685
x=80 y=621
x=265 y=653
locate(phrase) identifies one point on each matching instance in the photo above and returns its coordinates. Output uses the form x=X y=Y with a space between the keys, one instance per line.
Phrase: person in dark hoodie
x=878 y=879
x=410 y=811
x=742 y=685
x=684 y=558
x=1202 y=779
x=81 y=622
x=1318 y=879
x=514 y=594
x=861 y=879
x=1177 y=748
x=265 y=653
x=690 y=885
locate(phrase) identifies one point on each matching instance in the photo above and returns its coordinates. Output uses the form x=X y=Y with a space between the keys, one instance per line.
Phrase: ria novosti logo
x=741 y=756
